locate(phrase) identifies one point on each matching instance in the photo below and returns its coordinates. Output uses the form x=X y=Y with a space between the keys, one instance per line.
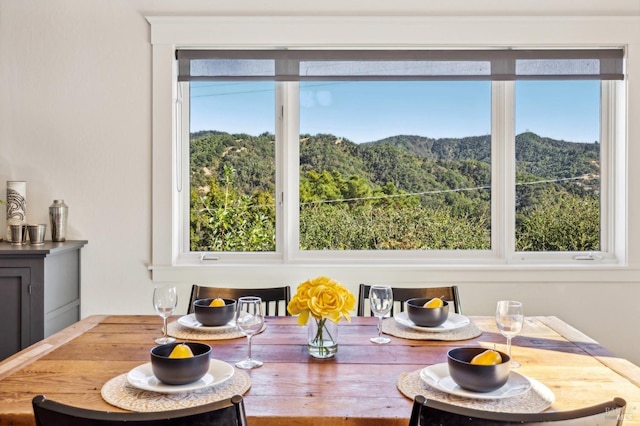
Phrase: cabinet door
x=15 y=310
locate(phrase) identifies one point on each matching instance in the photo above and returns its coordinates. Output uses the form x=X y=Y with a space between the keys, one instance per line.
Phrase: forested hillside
x=404 y=192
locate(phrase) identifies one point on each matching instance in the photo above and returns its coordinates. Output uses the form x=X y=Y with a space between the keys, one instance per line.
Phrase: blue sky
x=369 y=111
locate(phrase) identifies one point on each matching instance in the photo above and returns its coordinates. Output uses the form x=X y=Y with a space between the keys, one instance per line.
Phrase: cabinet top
x=49 y=247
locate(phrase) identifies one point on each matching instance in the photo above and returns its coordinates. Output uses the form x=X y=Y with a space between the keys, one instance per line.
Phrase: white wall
x=75 y=123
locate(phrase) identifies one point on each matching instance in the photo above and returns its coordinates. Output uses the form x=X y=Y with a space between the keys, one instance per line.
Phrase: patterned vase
x=16 y=204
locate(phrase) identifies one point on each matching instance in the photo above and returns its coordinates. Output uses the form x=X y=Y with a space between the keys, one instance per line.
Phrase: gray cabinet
x=39 y=292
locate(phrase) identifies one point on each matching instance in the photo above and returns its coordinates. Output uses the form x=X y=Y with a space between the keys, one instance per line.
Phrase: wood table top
x=357 y=387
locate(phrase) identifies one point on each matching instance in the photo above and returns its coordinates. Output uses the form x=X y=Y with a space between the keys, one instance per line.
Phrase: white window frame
x=172 y=262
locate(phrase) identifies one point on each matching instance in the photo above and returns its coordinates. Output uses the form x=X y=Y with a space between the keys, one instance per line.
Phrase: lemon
x=488 y=357
x=181 y=351
x=217 y=302
x=436 y=302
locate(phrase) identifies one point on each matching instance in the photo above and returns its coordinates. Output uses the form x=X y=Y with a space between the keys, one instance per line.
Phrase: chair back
x=228 y=412
x=274 y=299
x=435 y=413
x=400 y=295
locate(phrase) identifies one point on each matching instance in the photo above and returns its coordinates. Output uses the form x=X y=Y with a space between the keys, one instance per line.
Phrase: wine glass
x=381 y=301
x=250 y=320
x=165 y=300
x=509 y=319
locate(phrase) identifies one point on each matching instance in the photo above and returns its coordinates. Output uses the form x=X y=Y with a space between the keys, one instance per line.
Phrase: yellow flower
x=321 y=297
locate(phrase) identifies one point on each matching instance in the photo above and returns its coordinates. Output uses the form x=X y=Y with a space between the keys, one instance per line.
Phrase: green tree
x=336 y=227
x=405 y=192
x=559 y=222
x=223 y=219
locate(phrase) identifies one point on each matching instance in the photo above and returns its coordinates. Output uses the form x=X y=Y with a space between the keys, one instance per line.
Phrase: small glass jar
x=323 y=337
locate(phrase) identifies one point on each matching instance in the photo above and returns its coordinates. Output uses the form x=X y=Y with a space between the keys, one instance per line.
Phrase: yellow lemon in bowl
x=217 y=302
x=181 y=351
x=436 y=302
x=488 y=357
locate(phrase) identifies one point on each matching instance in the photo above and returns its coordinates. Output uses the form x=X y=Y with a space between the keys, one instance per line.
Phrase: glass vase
x=323 y=337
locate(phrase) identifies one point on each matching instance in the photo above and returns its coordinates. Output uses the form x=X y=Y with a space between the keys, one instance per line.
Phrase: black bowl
x=426 y=317
x=474 y=377
x=214 y=316
x=180 y=371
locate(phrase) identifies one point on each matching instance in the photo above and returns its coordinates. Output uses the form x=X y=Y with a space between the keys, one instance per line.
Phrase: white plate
x=437 y=376
x=191 y=322
x=454 y=321
x=142 y=377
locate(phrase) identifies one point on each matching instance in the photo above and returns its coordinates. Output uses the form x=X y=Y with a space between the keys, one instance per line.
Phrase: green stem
x=318 y=339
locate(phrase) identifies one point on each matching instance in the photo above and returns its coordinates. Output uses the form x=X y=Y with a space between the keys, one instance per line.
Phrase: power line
x=241 y=92
x=412 y=194
x=535 y=182
x=440 y=191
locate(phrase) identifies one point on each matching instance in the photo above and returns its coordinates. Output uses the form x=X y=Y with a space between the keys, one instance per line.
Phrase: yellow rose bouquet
x=322 y=299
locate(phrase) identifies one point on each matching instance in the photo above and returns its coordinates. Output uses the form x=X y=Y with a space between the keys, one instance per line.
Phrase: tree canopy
x=405 y=192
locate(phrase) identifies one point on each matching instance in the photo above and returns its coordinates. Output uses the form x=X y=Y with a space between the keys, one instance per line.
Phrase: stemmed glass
x=250 y=320
x=165 y=300
x=509 y=319
x=381 y=300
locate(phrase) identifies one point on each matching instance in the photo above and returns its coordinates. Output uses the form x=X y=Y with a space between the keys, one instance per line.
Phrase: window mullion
x=605 y=138
x=503 y=169
x=182 y=155
x=509 y=182
x=611 y=170
x=289 y=141
x=615 y=143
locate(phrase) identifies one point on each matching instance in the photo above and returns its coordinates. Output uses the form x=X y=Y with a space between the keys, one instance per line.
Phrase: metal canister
x=58 y=214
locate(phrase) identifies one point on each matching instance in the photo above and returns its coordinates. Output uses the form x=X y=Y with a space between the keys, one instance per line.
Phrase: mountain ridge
x=408 y=161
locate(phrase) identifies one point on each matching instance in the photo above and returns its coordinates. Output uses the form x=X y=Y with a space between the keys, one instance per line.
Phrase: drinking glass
x=509 y=319
x=165 y=300
x=250 y=320
x=381 y=300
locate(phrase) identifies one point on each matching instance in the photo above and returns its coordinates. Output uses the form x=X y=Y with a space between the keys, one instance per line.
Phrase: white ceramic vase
x=16 y=204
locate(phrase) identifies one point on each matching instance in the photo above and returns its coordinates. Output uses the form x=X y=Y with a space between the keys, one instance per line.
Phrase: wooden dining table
x=359 y=386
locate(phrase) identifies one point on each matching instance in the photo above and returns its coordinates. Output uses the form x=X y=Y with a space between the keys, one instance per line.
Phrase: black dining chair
x=272 y=297
x=400 y=295
x=228 y=412
x=427 y=412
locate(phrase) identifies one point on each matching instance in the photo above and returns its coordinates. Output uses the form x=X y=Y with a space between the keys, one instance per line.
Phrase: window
x=396 y=151
x=398 y=165
x=232 y=168
x=558 y=166
x=291 y=258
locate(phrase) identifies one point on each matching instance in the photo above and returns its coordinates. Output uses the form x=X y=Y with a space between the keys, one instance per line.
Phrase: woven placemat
x=120 y=393
x=392 y=327
x=181 y=332
x=535 y=400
